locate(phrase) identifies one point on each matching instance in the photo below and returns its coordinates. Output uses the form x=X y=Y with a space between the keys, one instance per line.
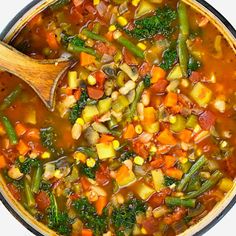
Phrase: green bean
x=183 y=55
x=130 y=46
x=59 y=4
x=11 y=97
x=183 y=20
x=77 y=49
x=138 y=94
x=11 y=133
x=175 y=201
x=94 y=36
x=215 y=177
x=195 y=167
x=37 y=177
x=28 y=193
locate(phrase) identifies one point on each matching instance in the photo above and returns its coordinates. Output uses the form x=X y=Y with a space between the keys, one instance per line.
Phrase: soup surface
x=142 y=138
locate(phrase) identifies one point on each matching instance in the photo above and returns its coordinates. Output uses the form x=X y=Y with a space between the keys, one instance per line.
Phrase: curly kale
x=193 y=65
x=73 y=39
x=26 y=166
x=76 y=110
x=160 y=23
x=88 y=215
x=88 y=171
x=126 y=155
x=147 y=81
x=124 y=217
x=170 y=57
x=59 y=4
x=169 y=181
x=48 y=138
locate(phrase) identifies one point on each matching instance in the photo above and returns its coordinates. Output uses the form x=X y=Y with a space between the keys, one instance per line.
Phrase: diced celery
x=104 y=105
x=175 y=73
x=112 y=123
x=89 y=113
x=72 y=79
x=192 y=121
x=160 y=211
x=179 y=124
x=144 y=8
x=152 y=128
x=120 y=104
x=201 y=94
x=105 y=150
x=185 y=166
x=158 y=179
x=144 y=191
x=226 y=184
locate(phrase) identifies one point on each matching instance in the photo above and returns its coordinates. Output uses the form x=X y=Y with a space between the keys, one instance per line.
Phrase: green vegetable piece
x=194 y=184
x=193 y=65
x=89 y=112
x=185 y=166
x=28 y=193
x=59 y=4
x=195 y=167
x=77 y=49
x=174 y=201
x=183 y=19
x=104 y=105
x=215 y=177
x=192 y=121
x=175 y=73
x=37 y=177
x=179 y=125
x=120 y=104
x=7 y=101
x=94 y=36
x=88 y=151
x=90 y=172
x=169 y=181
x=169 y=59
x=147 y=81
x=48 y=138
x=183 y=55
x=26 y=166
x=201 y=94
x=112 y=123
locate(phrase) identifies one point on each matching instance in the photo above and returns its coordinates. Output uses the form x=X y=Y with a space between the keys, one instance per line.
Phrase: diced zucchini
x=160 y=211
x=226 y=184
x=158 y=179
x=112 y=123
x=152 y=128
x=185 y=166
x=144 y=8
x=133 y=74
x=72 y=79
x=120 y=104
x=192 y=121
x=105 y=150
x=144 y=191
x=201 y=94
x=175 y=73
x=89 y=113
x=179 y=124
x=104 y=105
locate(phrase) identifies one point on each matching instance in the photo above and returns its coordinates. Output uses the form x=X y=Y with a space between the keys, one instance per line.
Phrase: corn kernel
x=112 y=28
x=117 y=34
x=21 y=159
x=183 y=160
x=197 y=128
x=153 y=149
x=185 y=83
x=90 y=162
x=223 y=144
x=143 y=231
x=138 y=160
x=80 y=121
x=142 y=46
x=46 y=155
x=138 y=129
x=96 y=2
x=172 y=119
x=198 y=152
x=79 y=156
x=57 y=174
x=135 y=2
x=122 y=21
x=116 y=144
x=135 y=118
x=91 y=80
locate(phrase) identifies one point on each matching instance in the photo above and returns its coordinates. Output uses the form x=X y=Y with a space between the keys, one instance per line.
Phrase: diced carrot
x=100 y=78
x=106 y=138
x=20 y=129
x=22 y=147
x=157 y=73
x=109 y=36
x=122 y=173
x=87 y=232
x=2 y=130
x=149 y=114
x=100 y=204
x=174 y=173
x=86 y=59
x=37 y=20
x=129 y=131
x=185 y=135
x=3 y=162
x=157 y=163
x=52 y=40
x=166 y=138
x=129 y=58
x=33 y=134
x=95 y=93
x=77 y=94
x=169 y=161
x=85 y=183
x=68 y=91
x=171 y=99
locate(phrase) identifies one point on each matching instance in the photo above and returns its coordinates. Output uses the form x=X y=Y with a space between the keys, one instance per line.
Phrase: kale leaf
x=147 y=81
x=76 y=110
x=48 y=138
x=193 y=65
x=88 y=171
x=160 y=23
x=88 y=214
x=170 y=57
x=169 y=181
x=26 y=166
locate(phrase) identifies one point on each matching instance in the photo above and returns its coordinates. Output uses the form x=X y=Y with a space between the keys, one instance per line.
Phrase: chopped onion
x=145 y=137
x=106 y=58
x=101 y=8
x=77 y=2
x=123 y=8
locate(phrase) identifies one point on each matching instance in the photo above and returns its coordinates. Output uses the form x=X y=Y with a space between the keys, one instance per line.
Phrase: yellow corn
x=142 y=46
x=138 y=129
x=135 y=118
x=153 y=149
x=80 y=121
x=226 y=184
x=90 y=162
x=96 y=2
x=172 y=119
x=135 y=2
x=197 y=128
x=91 y=80
x=79 y=156
x=57 y=174
x=183 y=160
x=198 y=152
x=46 y=155
x=112 y=28
x=185 y=83
x=143 y=231
x=116 y=144
x=138 y=160
x=21 y=158
x=122 y=21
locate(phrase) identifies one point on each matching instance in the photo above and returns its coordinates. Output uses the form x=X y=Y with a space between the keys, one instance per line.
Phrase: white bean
x=145 y=98
x=76 y=131
x=129 y=85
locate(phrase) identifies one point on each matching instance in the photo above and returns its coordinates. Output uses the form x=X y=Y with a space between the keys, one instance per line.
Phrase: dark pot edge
x=203 y=3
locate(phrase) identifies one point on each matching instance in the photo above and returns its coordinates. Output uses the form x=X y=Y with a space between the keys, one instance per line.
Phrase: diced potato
x=30 y=117
x=152 y=128
x=104 y=105
x=144 y=8
x=144 y=191
x=201 y=94
x=120 y=104
x=105 y=150
x=158 y=179
x=175 y=73
x=226 y=184
x=89 y=113
x=125 y=176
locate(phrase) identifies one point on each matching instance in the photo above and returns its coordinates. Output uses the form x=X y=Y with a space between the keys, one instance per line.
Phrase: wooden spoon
x=41 y=75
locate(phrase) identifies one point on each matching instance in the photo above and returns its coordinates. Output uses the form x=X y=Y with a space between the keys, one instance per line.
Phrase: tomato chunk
x=207 y=120
x=43 y=201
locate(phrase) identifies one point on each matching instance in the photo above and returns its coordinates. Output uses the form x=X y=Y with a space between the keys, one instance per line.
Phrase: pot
x=40 y=229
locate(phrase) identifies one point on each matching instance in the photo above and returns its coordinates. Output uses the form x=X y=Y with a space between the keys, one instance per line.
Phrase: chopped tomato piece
x=207 y=120
x=43 y=201
x=100 y=204
x=100 y=78
x=52 y=41
x=103 y=175
x=14 y=191
x=160 y=86
x=129 y=58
